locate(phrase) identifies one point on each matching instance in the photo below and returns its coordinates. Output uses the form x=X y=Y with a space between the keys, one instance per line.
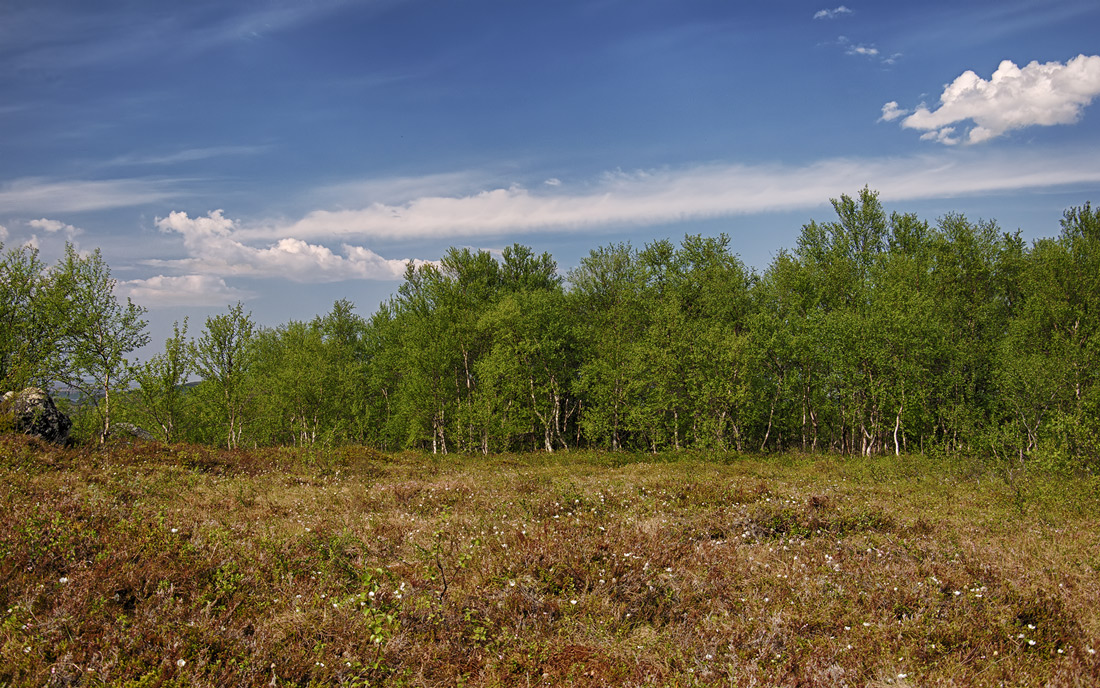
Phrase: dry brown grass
x=153 y=566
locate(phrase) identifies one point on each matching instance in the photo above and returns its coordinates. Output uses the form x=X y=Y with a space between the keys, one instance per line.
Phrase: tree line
x=876 y=333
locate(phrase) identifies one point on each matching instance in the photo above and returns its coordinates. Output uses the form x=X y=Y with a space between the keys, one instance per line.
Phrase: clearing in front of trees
x=184 y=565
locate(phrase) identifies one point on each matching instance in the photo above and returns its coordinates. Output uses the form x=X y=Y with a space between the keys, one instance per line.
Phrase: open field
x=153 y=566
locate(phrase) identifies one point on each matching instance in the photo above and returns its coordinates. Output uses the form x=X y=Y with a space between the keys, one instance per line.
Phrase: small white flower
x=181 y=663
x=63 y=580
x=572 y=601
x=902 y=675
x=175 y=530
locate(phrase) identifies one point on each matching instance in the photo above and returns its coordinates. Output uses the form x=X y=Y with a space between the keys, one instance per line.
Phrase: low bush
x=138 y=564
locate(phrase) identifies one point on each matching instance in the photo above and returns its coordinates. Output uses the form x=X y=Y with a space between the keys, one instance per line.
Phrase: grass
x=150 y=566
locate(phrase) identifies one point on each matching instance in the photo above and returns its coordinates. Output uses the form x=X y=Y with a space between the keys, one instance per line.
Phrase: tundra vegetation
x=873 y=462
x=188 y=565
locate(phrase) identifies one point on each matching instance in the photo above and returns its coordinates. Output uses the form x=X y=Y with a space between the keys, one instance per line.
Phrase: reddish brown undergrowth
x=146 y=565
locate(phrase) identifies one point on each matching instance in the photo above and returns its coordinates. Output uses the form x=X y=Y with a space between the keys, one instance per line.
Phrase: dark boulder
x=33 y=412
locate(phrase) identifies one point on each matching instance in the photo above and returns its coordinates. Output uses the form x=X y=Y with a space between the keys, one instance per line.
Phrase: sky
x=289 y=153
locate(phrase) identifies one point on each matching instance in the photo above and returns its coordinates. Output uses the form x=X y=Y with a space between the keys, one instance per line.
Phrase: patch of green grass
x=150 y=565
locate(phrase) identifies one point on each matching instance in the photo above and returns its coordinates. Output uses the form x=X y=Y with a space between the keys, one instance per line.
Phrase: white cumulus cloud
x=1013 y=98
x=851 y=48
x=54 y=226
x=833 y=13
x=892 y=111
x=946 y=136
x=3 y=233
x=216 y=247
x=181 y=290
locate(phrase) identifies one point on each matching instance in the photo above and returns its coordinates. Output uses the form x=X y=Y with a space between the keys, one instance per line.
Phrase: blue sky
x=290 y=153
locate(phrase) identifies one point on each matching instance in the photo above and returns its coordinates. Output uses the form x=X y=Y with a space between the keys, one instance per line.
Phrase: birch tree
x=161 y=382
x=223 y=357
x=99 y=331
x=29 y=323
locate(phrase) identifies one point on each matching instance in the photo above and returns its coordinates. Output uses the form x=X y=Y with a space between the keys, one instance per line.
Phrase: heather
x=146 y=564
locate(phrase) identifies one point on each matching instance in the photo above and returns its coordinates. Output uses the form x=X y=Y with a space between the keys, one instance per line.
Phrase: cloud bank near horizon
x=652 y=197
x=182 y=290
x=1013 y=98
x=298 y=250
x=215 y=249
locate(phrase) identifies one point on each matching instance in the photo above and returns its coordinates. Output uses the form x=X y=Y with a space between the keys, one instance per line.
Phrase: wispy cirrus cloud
x=401 y=188
x=53 y=35
x=1013 y=98
x=186 y=155
x=37 y=194
x=833 y=13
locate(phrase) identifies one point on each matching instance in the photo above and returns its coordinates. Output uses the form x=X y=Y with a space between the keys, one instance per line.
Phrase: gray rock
x=34 y=413
x=131 y=430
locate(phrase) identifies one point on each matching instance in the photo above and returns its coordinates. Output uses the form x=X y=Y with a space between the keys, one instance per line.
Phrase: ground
x=147 y=565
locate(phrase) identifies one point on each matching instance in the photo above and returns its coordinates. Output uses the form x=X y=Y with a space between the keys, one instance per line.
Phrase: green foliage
x=28 y=320
x=161 y=382
x=224 y=355
x=878 y=333
x=97 y=332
